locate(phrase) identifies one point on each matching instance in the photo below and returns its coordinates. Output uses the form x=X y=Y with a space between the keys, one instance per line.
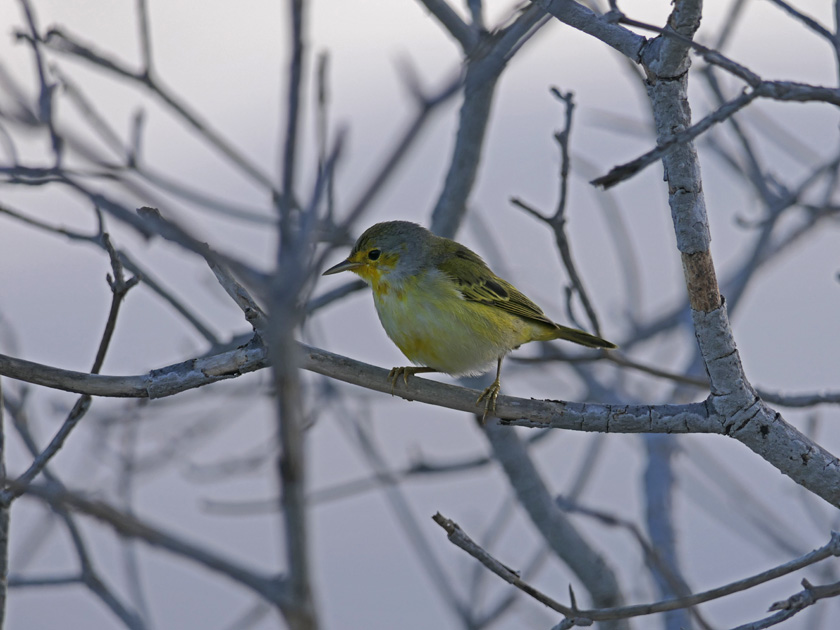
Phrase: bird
x=444 y=308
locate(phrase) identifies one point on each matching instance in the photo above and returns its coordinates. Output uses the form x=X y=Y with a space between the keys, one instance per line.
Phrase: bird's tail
x=581 y=337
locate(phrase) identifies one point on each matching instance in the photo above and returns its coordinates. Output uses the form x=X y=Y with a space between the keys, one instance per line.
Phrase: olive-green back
x=478 y=283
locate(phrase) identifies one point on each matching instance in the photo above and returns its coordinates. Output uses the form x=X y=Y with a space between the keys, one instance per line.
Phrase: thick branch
x=485 y=61
x=580 y=17
x=748 y=420
x=160 y=383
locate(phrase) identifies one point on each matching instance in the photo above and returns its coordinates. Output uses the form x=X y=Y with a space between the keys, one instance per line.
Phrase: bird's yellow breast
x=433 y=325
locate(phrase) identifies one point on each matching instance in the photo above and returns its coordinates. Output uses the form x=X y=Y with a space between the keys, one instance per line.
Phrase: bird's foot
x=489 y=395
x=395 y=374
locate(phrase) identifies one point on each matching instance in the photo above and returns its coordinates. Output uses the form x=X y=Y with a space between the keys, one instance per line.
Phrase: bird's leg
x=405 y=372
x=491 y=393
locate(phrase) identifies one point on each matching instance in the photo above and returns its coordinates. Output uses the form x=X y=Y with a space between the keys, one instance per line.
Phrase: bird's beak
x=346 y=265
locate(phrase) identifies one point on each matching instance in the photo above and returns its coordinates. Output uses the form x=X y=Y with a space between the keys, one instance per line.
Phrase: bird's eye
x=374 y=254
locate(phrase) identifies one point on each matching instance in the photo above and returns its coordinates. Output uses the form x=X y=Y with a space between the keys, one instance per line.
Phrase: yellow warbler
x=443 y=306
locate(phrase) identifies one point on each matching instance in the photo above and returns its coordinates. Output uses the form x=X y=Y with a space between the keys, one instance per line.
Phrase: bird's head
x=388 y=253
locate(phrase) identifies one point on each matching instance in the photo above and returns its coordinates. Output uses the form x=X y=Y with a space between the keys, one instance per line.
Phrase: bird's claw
x=490 y=394
x=395 y=374
x=405 y=372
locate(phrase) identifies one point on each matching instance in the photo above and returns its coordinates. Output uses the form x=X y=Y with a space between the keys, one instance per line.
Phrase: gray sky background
x=228 y=61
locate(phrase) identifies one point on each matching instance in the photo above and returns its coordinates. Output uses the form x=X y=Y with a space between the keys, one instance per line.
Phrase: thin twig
x=799 y=400
x=88 y=576
x=807 y=20
x=134 y=162
x=459 y=538
x=62 y=42
x=627 y=170
x=47 y=89
x=120 y=286
x=145 y=35
x=126 y=261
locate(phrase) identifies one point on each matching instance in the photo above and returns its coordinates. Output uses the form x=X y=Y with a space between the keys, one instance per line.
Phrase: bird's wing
x=478 y=283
